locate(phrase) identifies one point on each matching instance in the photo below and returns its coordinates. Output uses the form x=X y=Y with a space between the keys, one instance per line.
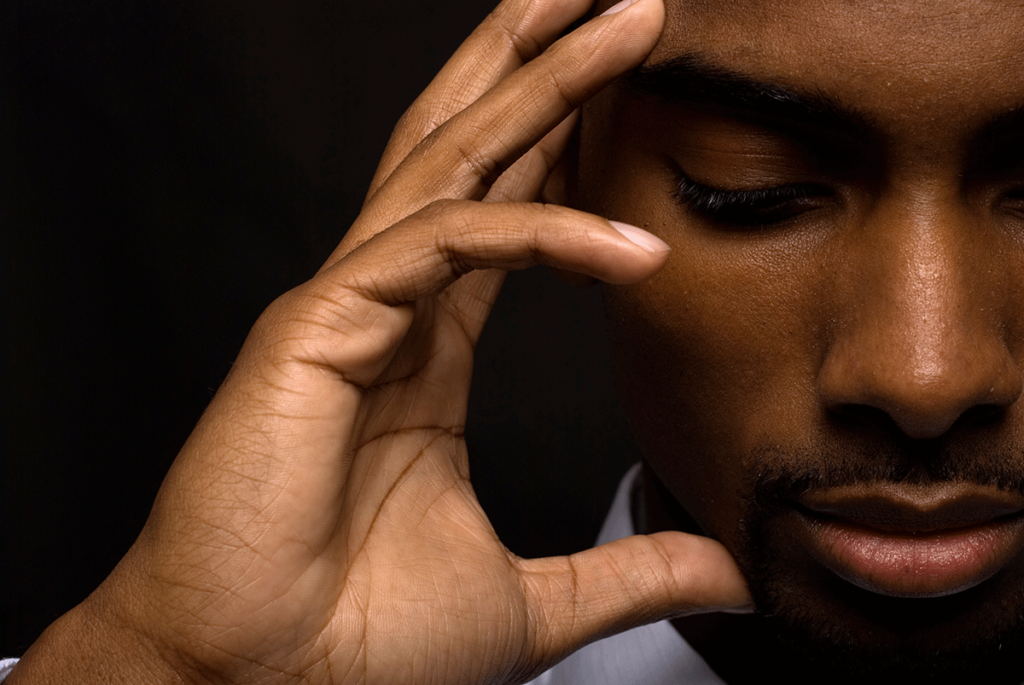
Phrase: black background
x=171 y=168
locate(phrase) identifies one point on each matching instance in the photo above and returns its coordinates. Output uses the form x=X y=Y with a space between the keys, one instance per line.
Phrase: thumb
x=626 y=583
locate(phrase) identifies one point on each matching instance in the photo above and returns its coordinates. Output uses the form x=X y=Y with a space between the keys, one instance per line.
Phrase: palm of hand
x=407 y=562
x=320 y=525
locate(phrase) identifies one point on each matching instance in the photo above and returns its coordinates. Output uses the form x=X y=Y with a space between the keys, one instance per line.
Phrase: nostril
x=982 y=415
x=864 y=386
x=862 y=417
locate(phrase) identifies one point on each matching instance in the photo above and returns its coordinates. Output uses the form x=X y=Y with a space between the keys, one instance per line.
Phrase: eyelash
x=748 y=207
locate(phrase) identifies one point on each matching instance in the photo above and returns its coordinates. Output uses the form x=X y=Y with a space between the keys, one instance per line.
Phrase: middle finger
x=462 y=158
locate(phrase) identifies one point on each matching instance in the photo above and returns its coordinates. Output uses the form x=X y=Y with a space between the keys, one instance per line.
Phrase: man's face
x=826 y=374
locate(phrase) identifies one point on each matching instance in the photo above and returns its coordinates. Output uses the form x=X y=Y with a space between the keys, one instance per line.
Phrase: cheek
x=717 y=356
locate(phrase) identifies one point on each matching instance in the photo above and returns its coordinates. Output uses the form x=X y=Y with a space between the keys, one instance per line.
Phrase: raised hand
x=320 y=525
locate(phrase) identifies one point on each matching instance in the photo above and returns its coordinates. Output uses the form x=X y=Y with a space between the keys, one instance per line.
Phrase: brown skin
x=319 y=525
x=878 y=327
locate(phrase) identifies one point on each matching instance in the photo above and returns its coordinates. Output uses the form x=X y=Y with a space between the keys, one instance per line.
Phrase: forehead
x=899 y=59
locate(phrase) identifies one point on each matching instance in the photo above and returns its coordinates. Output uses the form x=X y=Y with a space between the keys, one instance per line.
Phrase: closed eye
x=751 y=207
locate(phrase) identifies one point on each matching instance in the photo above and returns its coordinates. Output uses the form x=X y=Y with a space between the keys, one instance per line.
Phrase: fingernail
x=618 y=7
x=639 y=236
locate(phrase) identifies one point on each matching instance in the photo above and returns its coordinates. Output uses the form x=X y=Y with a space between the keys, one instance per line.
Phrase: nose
x=918 y=334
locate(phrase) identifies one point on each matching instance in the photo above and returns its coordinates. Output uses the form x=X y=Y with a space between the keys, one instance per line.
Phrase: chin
x=833 y=626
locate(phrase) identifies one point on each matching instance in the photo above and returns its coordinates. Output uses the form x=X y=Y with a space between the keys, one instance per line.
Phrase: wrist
x=94 y=643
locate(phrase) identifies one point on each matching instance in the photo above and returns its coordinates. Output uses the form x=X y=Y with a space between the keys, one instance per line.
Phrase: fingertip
x=630 y=582
x=618 y=7
x=632 y=26
x=707 y=577
x=639 y=256
x=638 y=236
x=624 y=8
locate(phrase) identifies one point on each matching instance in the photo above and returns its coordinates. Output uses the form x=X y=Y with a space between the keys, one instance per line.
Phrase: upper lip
x=913 y=509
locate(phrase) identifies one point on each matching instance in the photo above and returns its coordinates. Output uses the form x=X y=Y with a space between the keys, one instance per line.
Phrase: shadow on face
x=826 y=374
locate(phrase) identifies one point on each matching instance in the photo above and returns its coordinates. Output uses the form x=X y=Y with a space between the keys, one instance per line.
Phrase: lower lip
x=905 y=565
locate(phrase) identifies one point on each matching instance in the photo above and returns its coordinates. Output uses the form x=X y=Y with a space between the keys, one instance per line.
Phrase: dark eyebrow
x=695 y=79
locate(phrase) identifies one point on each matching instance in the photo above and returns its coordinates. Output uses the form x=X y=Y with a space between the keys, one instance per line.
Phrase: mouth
x=911 y=541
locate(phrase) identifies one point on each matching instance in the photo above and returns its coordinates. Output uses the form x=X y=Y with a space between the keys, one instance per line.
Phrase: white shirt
x=6 y=666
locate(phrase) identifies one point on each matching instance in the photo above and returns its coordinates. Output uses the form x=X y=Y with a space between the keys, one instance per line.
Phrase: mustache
x=778 y=475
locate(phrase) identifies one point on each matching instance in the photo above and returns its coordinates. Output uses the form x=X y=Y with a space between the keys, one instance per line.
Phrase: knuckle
x=454 y=223
x=413 y=124
x=420 y=121
x=449 y=226
x=557 y=81
x=279 y=311
x=506 y=25
x=303 y=311
x=525 y=46
x=471 y=146
x=485 y=167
